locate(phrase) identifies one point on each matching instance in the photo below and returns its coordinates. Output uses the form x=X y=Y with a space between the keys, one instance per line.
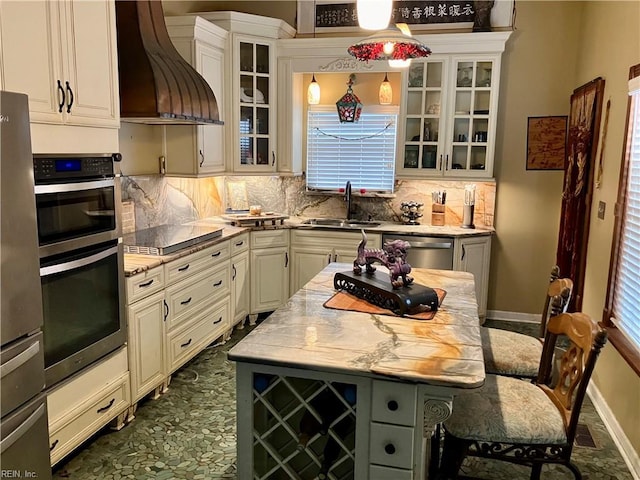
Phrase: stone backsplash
x=161 y=200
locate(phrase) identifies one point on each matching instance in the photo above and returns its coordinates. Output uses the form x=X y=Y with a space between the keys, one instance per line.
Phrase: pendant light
x=313 y=92
x=385 y=94
x=373 y=14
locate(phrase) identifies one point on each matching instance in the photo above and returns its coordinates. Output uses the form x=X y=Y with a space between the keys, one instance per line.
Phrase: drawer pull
x=392 y=405
x=106 y=407
x=182 y=269
x=217 y=254
x=186 y=302
x=186 y=344
x=146 y=284
x=218 y=283
x=217 y=321
x=390 y=448
x=54 y=445
x=239 y=244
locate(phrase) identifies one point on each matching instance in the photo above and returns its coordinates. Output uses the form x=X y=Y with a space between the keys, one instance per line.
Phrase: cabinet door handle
x=182 y=269
x=234 y=272
x=62 y=97
x=328 y=259
x=71 y=98
x=335 y=257
x=390 y=448
x=187 y=343
x=146 y=284
x=217 y=254
x=218 y=283
x=106 y=407
x=440 y=167
x=201 y=158
x=273 y=158
x=186 y=302
x=217 y=321
x=166 y=310
x=286 y=259
x=54 y=445
x=463 y=253
x=446 y=162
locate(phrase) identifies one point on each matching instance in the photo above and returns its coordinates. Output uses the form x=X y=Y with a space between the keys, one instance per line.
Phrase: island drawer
x=144 y=284
x=376 y=472
x=270 y=238
x=239 y=244
x=183 y=267
x=391 y=445
x=394 y=403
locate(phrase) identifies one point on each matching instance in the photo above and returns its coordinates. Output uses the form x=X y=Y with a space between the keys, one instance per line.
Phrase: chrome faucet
x=347 y=198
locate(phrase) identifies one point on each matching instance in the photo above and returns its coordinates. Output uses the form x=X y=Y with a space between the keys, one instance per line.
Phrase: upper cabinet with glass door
x=449 y=106
x=251 y=77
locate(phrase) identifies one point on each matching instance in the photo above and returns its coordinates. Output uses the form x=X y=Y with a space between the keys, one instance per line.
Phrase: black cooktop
x=166 y=239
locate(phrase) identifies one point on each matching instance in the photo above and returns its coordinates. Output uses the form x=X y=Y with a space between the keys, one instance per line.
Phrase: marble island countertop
x=136 y=263
x=444 y=351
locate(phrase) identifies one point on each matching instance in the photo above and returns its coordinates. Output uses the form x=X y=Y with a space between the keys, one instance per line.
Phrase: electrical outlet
x=601 y=209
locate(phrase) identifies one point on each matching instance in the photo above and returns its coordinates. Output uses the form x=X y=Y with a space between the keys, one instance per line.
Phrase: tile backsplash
x=157 y=200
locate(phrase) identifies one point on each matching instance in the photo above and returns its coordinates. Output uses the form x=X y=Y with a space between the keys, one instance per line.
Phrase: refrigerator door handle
x=22 y=429
x=19 y=360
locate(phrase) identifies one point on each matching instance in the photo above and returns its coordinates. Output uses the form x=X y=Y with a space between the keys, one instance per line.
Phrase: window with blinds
x=626 y=289
x=361 y=152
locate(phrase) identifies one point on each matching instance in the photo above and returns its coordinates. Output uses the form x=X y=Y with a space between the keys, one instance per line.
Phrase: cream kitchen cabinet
x=251 y=67
x=269 y=270
x=193 y=151
x=312 y=250
x=80 y=406
x=62 y=54
x=240 y=280
x=449 y=112
x=473 y=255
x=174 y=311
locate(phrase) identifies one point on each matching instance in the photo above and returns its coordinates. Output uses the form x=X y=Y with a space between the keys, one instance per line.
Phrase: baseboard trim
x=630 y=456
x=513 y=316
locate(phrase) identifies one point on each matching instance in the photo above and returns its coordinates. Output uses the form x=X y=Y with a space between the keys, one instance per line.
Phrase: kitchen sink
x=339 y=223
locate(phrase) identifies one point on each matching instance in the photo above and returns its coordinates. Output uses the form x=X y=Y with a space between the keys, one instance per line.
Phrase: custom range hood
x=157 y=86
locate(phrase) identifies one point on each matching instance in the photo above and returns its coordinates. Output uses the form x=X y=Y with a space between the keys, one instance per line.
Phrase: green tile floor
x=189 y=433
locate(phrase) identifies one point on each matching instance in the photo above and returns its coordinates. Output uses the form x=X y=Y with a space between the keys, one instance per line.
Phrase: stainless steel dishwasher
x=426 y=252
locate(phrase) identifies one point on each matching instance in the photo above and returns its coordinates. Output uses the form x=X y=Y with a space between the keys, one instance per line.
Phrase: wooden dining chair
x=514 y=420
x=518 y=355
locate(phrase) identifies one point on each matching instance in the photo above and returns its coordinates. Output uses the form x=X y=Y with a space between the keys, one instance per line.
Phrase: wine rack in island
x=303 y=428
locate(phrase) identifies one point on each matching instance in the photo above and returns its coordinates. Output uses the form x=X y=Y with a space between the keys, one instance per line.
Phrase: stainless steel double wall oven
x=81 y=260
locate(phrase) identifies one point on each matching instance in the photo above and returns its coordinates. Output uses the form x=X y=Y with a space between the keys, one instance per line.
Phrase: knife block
x=437 y=214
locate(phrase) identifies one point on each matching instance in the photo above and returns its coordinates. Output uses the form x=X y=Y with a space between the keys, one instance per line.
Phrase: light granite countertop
x=134 y=264
x=444 y=351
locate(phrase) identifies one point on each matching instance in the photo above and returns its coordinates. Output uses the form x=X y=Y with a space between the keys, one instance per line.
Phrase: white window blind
x=626 y=306
x=361 y=152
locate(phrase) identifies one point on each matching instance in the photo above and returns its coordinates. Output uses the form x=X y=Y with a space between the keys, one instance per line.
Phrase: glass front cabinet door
x=449 y=111
x=255 y=88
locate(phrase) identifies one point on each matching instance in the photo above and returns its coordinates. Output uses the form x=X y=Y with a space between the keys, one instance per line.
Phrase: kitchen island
x=326 y=393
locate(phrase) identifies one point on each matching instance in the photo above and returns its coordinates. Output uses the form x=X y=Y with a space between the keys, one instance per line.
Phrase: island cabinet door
x=295 y=423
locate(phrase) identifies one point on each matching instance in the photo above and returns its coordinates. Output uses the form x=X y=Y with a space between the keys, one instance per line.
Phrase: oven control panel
x=60 y=169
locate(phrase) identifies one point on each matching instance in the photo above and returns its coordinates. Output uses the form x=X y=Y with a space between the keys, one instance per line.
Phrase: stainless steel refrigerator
x=24 y=436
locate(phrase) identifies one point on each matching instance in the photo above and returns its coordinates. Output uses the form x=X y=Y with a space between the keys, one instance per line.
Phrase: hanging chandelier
x=349 y=106
x=389 y=44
